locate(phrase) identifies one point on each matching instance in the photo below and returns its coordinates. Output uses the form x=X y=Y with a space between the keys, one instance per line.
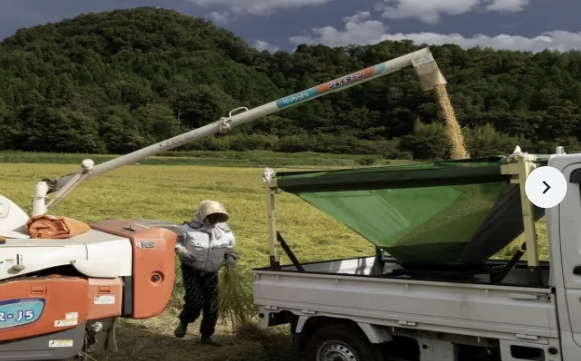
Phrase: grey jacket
x=208 y=250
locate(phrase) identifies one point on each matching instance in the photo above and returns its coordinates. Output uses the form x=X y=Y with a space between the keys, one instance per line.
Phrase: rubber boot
x=181 y=330
x=207 y=340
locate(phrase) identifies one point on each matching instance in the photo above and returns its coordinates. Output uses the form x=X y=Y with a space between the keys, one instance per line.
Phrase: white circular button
x=546 y=187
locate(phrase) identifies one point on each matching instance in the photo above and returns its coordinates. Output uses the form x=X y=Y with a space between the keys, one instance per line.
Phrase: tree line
x=117 y=81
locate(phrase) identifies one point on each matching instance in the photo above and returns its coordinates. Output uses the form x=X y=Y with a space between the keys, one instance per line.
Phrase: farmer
x=208 y=242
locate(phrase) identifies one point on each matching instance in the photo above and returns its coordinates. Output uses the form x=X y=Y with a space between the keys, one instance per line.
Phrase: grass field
x=171 y=193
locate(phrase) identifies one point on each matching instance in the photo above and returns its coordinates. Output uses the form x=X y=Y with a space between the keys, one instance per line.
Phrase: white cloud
x=220 y=16
x=430 y=11
x=426 y=11
x=258 y=7
x=357 y=17
x=361 y=30
x=263 y=45
x=508 y=5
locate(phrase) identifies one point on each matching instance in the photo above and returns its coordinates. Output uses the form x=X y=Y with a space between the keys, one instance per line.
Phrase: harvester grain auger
x=60 y=298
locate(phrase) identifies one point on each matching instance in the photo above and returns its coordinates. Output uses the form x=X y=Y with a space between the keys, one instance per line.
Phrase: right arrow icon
x=537 y=187
x=548 y=187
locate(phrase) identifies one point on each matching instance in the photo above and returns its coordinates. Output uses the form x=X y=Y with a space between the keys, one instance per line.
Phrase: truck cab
x=564 y=242
x=468 y=307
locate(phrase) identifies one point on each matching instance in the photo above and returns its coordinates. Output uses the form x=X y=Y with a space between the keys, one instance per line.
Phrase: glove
x=186 y=256
x=231 y=257
x=231 y=261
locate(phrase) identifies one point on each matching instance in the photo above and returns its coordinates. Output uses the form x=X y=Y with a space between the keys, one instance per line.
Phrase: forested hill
x=116 y=81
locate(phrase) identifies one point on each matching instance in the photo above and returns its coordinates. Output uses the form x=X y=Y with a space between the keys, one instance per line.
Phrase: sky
x=531 y=25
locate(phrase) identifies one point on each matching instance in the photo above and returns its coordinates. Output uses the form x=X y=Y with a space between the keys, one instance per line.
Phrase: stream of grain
x=453 y=131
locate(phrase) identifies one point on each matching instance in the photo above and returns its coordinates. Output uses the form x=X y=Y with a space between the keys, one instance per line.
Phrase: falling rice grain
x=454 y=133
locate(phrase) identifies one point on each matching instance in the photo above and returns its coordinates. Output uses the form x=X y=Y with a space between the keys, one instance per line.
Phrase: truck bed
x=344 y=288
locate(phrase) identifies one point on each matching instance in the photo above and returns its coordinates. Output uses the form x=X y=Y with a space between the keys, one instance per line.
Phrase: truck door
x=564 y=233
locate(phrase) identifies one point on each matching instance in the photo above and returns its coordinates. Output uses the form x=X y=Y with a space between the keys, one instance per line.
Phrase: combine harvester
x=438 y=296
x=61 y=298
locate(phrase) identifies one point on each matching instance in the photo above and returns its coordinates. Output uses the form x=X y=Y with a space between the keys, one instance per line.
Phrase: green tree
x=116 y=81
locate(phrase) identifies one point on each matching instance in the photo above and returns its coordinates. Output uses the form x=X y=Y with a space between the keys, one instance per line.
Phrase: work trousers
x=201 y=295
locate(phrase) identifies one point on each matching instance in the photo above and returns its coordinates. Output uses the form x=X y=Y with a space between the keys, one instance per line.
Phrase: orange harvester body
x=46 y=314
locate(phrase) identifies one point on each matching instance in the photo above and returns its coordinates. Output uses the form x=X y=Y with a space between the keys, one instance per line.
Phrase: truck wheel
x=340 y=343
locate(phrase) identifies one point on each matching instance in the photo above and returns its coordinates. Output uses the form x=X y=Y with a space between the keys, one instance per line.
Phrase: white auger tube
x=422 y=60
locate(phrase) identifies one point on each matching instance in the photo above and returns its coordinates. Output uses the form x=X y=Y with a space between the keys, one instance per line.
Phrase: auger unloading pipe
x=422 y=60
x=342 y=83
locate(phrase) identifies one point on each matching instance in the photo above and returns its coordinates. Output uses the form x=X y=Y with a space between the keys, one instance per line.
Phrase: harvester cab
x=61 y=296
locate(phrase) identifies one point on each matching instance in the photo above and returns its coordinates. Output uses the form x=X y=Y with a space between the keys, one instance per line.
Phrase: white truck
x=458 y=306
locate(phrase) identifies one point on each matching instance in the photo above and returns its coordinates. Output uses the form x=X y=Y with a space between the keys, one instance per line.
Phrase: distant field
x=171 y=193
x=209 y=158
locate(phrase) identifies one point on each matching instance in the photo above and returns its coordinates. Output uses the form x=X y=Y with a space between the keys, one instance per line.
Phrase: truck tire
x=340 y=343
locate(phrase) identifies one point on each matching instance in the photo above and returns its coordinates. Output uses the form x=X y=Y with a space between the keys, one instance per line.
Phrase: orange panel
x=105 y=296
x=153 y=264
x=153 y=271
x=36 y=306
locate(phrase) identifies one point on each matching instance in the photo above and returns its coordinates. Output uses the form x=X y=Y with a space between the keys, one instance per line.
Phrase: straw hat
x=209 y=207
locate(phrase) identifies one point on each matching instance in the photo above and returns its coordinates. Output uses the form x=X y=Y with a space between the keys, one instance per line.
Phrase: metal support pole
x=270 y=190
x=520 y=171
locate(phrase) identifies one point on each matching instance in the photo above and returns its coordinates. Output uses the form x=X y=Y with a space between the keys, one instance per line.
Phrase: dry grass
x=453 y=131
x=171 y=193
x=235 y=301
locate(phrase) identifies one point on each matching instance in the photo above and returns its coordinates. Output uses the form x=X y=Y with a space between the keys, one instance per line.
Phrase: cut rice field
x=171 y=193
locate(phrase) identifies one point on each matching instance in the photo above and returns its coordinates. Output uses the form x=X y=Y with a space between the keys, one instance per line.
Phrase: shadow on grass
x=138 y=341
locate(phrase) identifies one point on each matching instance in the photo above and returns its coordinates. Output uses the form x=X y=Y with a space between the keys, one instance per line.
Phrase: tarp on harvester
x=447 y=213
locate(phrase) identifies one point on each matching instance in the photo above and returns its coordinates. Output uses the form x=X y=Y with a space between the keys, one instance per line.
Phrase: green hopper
x=434 y=215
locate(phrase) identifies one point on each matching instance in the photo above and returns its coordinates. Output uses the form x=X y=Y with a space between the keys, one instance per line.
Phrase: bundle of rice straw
x=235 y=300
